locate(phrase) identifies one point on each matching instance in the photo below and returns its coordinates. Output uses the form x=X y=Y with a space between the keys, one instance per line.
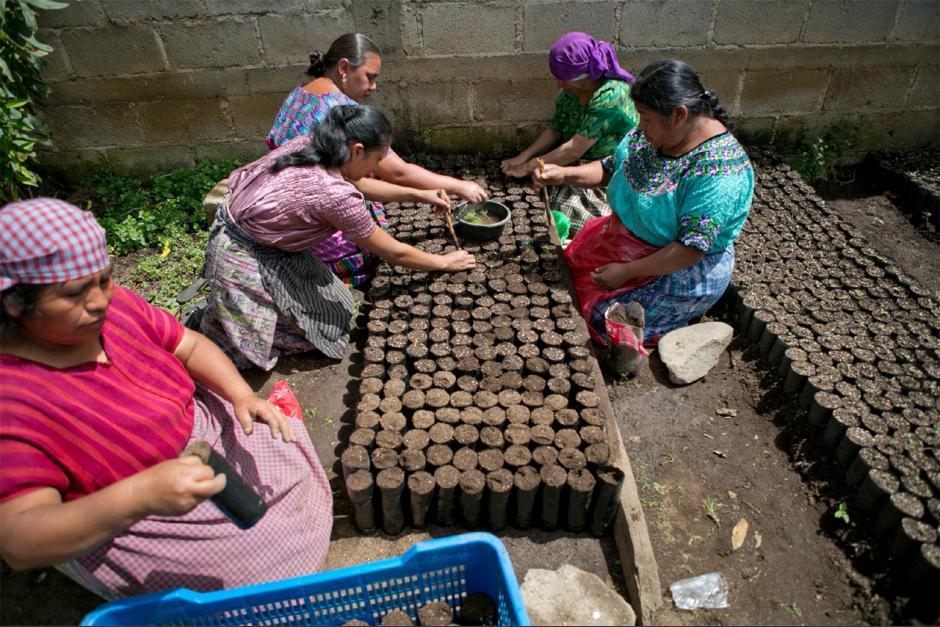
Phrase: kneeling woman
x=269 y=294
x=99 y=394
x=680 y=187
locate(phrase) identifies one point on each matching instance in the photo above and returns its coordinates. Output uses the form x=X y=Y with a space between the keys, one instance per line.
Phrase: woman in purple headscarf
x=593 y=112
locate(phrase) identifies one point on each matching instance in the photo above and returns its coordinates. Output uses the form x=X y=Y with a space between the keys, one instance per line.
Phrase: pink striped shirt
x=297 y=207
x=82 y=428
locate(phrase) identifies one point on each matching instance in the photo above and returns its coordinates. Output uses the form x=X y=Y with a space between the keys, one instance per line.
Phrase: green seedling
x=757 y=539
x=711 y=510
x=793 y=608
x=842 y=513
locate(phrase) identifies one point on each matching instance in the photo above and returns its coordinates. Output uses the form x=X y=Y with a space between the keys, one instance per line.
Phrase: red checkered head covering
x=45 y=240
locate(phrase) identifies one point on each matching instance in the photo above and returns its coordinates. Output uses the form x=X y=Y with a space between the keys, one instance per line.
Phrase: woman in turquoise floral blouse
x=680 y=186
x=593 y=111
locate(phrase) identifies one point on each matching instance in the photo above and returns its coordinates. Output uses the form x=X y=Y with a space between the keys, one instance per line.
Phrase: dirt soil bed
x=690 y=459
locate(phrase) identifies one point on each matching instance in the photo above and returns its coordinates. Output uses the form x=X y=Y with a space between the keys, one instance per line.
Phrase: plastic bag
x=562 y=225
x=601 y=241
x=624 y=324
x=283 y=398
x=708 y=591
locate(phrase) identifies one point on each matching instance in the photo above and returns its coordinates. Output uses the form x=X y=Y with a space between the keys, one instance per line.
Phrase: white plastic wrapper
x=709 y=591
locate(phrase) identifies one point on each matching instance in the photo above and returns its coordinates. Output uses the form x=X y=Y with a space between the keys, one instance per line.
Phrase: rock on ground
x=571 y=596
x=689 y=353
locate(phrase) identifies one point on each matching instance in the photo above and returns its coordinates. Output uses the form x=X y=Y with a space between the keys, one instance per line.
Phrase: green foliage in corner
x=817 y=157
x=21 y=93
x=140 y=213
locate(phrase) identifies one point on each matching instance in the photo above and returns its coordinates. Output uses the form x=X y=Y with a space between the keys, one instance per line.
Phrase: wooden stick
x=450 y=225
x=548 y=210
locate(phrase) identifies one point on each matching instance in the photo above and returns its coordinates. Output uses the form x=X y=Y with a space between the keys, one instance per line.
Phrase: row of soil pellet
x=914 y=179
x=476 y=403
x=857 y=343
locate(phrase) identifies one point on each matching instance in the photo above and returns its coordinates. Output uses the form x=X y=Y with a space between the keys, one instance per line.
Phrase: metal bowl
x=481 y=232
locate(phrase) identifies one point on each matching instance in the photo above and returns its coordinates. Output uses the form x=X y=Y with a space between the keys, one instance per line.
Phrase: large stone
x=571 y=596
x=545 y=22
x=468 y=28
x=860 y=89
x=665 y=23
x=918 y=20
x=689 y=353
x=291 y=38
x=851 y=21
x=113 y=50
x=758 y=21
x=783 y=92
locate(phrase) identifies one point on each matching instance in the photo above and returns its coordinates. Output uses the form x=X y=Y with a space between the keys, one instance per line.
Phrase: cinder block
x=248 y=150
x=545 y=22
x=244 y=7
x=142 y=88
x=439 y=103
x=751 y=131
x=254 y=115
x=513 y=101
x=925 y=92
x=221 y=42
x=485 y=139
x=380 y=20
x=77 y=13
x=701 y=60
x=88 y=127
x=113 y=50
x=725 y=86
x=782 y=92
x=673 y=23
x=468 y=28
x=71 y=165
x=849 y=21
x=147 y=10
x=918 y=20
x=56 y=65
x=291 y=39
x=410 y=26
x=759 y=21
x=862 y=89
x=183 y=122
x=277 y=80
x=849 y=56
x=146 y=160
x=465 y=69
x=903 y=129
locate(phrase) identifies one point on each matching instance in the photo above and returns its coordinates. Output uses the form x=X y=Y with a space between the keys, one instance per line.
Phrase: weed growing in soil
x=817 y=157
x=138 y=213
x=711 y=510
x=160 y=276
x=842 y=513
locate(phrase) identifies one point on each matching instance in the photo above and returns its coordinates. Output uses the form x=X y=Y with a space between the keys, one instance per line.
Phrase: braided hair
x=329 y=144
x=354 y=47
x=669 y=83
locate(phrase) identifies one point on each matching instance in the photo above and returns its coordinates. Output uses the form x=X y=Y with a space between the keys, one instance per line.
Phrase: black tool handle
x=238 y=500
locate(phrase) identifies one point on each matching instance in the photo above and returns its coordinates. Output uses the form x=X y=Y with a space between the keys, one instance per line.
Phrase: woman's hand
x=610 y=276
x=521 y=170
x=551 y=175
x=437 y=198
x=458 y=260
x=471 y=192
x=251 y=407
x=176 y=486
x=507 y=165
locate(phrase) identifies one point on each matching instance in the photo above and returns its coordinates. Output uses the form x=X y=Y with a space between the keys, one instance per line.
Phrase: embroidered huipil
x=700 y=199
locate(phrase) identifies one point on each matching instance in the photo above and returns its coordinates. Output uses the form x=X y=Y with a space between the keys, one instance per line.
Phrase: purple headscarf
x=576 y=54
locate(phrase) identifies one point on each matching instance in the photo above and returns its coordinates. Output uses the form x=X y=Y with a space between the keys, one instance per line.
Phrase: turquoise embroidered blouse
x=700 y=199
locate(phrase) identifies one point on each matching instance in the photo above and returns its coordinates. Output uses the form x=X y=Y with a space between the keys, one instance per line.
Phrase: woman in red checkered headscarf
x=100 y=393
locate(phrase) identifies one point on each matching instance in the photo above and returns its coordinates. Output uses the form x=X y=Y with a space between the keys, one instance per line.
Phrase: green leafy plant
x=21 y=93
x=163 y=274
x=817 y=157
x=138 y=213
x=711 y=510
x=842 y=513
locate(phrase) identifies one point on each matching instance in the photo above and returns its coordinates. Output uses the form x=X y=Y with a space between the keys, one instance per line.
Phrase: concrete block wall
x=153 y=83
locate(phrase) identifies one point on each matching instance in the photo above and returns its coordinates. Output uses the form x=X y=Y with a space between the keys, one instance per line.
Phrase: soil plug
x=527 y=482
x=447 y=478
x=237 y=500
x=396 y=618
x=478 y=608
x=606 y=499
x=499 y=483
x=472 y=483
x=354 y=459
x=580 y=486
x=420 y=492
x=359 y=489
x=553 y=480
x=391 y=484
x=435 y=613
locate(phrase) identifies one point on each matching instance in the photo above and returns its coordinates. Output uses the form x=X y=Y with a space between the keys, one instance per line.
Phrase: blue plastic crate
x=446 y=569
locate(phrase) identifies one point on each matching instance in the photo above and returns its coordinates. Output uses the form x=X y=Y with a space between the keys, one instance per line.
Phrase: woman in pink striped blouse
x=100 y=393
